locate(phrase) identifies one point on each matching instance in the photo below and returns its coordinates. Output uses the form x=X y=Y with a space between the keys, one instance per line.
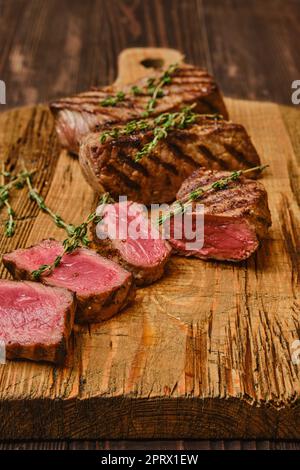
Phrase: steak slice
x=235 y=218
x=80 y=114
x=144 y=253
x=156 y=178
x=101 y=286
x=35 y=320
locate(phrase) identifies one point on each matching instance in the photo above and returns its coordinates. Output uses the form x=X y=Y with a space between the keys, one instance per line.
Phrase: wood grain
x=204 y=353
x=252 y=47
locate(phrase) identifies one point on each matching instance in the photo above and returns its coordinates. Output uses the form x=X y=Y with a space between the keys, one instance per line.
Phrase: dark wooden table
x=51 y=48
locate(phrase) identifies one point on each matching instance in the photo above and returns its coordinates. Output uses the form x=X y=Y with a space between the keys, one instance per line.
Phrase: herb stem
x=76 y=238
x=181 y=206
x=18 y=181
x=39 y=200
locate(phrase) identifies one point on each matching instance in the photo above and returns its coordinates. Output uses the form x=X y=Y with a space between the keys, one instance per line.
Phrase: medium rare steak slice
x=35 y=320
x=135 y=244
x=235 y=218
x=80 y=114
x=156 y=178
x=102 y=287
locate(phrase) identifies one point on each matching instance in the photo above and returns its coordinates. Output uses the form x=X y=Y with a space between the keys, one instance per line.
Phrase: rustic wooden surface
x=88 y=39
x=230 y=327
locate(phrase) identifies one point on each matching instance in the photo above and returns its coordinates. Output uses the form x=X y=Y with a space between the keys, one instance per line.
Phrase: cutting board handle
x=139 y=62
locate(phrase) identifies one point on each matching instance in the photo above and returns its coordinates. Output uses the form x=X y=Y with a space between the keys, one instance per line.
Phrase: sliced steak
x=35 y=320
x=144 y=253
x=82 y=113
x=102 y=287
x=235 y=218
x=211 y=143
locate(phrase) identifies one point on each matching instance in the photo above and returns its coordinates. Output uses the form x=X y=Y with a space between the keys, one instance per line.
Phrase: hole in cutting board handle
x=152 y=63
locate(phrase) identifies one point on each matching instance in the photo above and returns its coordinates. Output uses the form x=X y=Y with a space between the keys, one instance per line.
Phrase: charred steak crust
x=80 y=114
x=143 y=276
x=235 y=218
x=93 y=306
x=216 y=145
x=42 y=351
x=243 y=198
x=101 y=308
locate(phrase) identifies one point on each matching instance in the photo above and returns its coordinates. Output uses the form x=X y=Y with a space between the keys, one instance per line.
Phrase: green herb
x=136 y=91
x=128 y=129
x=161 y=126
x=77 y=235
x=180 y=207
x=39 y=200
x=113 y=100
x=17 y=181
x=155 y=88
x=165 y=123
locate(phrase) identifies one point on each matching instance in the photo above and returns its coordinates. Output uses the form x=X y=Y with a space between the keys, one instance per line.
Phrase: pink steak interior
x=30 y=313
x=225 y=238
x=138 y=242
x=82 y=272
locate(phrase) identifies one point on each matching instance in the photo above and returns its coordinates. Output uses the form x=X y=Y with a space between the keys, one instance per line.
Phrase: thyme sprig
x=180 y=207
x=128 y=129
x=18 y=182
x=39 y=200
x=161 y=126
x=165 y=123
x=77 y=235
x=155 y=88
x=113 y=100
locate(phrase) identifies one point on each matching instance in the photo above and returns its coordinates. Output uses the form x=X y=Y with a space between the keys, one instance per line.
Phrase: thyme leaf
x=77 y=236
x=155 y=88
x=180 y=207
x=18 y=182
x=165 y=123
x=113 y=100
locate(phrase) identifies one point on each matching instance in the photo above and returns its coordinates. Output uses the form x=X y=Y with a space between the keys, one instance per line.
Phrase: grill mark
x=236 y=154
x=178 y=152
x=210 y=156
x=134 y=140
x=123 y=177
x=79 y=103
x=165 y=165
x=196 y=93
x=134 y=165
x=184 y=136
x=190 y=81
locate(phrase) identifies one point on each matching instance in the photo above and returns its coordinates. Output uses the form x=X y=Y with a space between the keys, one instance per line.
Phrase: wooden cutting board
x=204 y=353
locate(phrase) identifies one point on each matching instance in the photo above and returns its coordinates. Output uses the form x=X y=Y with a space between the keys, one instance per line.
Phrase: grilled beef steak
x=80 y=114
x=143 y=253
x=35 y=320
x=235 y=218
x=214 y=144
x=102 y=287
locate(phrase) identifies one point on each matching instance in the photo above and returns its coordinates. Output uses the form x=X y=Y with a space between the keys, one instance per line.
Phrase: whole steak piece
x=35 y=320
x=143 y=252
x=211 y=143
x=78 y=115
x=102 y=287
x=235 y=218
